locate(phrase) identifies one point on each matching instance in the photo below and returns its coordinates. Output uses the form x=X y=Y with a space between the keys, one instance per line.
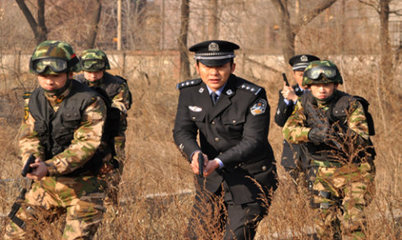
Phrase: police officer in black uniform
x=287 y=100
x=231 y=117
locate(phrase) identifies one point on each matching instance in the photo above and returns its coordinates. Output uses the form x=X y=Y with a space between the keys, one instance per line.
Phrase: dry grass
x=154 y=165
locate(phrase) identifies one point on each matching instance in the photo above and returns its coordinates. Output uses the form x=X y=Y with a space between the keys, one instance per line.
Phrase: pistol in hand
x=200 y=165
x=27 y=168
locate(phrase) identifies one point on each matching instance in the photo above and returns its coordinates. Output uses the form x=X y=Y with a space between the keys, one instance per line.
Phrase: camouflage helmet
x=53 y=57
x=321 y=72
x=93 y=60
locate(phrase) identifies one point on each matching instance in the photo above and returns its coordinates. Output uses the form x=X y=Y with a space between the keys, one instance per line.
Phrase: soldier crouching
x=332 y=128
x=62 y=129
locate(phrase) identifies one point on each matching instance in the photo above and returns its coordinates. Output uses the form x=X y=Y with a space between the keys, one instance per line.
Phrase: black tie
x=214 y=97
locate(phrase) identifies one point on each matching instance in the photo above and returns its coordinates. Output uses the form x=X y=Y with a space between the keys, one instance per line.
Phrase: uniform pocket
x=197 y=116
x=234 y=125
x=71 y=119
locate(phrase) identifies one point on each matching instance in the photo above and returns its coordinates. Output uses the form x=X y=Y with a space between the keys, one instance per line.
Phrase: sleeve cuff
x=51 y=168
x=219 y=162
x=192 y=154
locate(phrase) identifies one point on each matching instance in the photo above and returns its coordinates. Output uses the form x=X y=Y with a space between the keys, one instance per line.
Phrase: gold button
x=216 y=139
x=264 y=168
x=193 y=118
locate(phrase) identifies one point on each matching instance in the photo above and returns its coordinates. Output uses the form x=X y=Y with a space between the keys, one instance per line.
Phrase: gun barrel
x=201 y=165
x=285 y=79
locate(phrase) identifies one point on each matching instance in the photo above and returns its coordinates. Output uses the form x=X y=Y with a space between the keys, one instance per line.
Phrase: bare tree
x=38 y=26
x=382 y=7
x=182 y=40
x=387 y=55
x=290 y=29
x=213 y=19
x=94 y=19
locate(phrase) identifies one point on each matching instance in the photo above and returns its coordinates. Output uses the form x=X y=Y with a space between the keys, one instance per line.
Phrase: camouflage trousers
x=112 y=175
x=340 y=194
x=80 y=198
x=119 y=146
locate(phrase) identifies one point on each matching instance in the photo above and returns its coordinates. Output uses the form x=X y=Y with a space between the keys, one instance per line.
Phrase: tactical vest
x=108 y=88
x=56 y=129
x=337 y=113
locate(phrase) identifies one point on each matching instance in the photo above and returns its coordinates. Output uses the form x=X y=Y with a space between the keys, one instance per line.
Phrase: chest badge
x=195 y=108
x=259 y=107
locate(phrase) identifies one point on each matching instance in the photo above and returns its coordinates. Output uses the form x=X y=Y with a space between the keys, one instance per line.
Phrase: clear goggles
x=93 y=64
x=316 y=72
x=57 y=65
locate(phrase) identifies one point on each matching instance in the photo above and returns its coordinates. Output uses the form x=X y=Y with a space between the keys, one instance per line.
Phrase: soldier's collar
x=95 y=83
x=58 y=96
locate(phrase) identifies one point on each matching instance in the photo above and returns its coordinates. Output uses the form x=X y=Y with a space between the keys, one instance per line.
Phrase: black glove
x=318 y=135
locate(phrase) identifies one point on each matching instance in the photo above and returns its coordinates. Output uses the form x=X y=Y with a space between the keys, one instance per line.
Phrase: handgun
x=201 y=165
x=285 y=79
x=27 y=168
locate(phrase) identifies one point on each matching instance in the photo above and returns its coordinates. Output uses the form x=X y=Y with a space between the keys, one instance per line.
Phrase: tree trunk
x=182 y=40
x=289 y=30
x=94 y=23
x=386 y=50
x=213 y=20
x=38 y=28
x=286 y=34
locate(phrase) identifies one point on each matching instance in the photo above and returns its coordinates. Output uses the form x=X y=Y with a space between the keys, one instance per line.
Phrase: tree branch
x=28 y=15
x=371 y=4
x=307 y=18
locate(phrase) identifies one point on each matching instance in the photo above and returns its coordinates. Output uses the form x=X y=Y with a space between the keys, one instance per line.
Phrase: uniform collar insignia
x=229 y=92
x=201 y=90
x=213 y=47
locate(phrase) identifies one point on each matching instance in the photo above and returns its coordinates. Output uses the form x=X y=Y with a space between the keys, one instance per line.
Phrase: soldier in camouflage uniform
x=62 y=128
x=115 y=89
x=332 y=128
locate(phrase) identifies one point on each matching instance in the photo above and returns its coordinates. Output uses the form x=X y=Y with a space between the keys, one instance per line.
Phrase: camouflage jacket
x=85 y=139
x=297 y=128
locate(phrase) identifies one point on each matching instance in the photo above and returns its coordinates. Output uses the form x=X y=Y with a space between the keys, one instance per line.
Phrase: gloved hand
x=318 y=135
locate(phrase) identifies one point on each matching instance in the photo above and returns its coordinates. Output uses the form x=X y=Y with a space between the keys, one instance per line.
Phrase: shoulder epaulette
x=250 y=87
x=26 y=95
x=188 y=83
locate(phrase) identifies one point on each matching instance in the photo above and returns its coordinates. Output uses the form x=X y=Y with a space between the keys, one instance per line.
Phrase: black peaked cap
x=214 y=52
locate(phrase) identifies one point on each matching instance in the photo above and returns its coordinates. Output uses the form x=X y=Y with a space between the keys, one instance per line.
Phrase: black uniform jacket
x=282 y=114
x=235 y=130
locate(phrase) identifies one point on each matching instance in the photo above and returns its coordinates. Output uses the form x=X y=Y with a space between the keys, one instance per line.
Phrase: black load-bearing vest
x=56 y=129
x=337 y=113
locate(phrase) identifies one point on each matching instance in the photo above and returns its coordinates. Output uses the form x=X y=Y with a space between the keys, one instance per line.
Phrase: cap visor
x=214 y=62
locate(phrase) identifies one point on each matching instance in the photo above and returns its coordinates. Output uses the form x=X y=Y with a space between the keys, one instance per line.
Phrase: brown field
x=154 y=165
